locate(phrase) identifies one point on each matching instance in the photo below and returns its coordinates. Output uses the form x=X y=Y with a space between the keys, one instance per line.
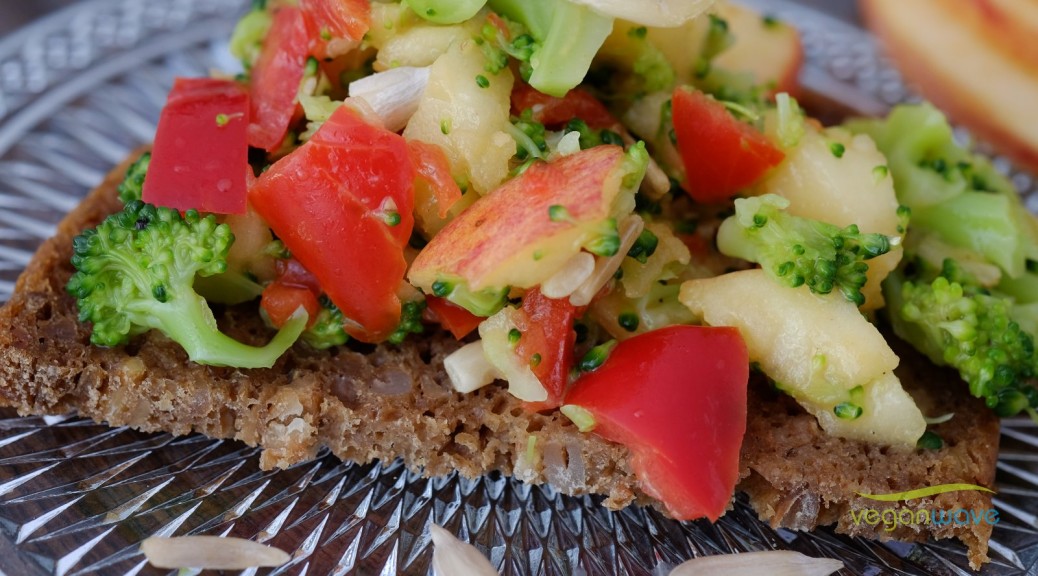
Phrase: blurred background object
x=16 y=13
x=977 y=60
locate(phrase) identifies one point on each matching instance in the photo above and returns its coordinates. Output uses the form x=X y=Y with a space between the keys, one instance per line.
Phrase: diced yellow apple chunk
x=888 y=416
x=819 y=349
x=468 y=120
x=500 y=353
x=766 y=49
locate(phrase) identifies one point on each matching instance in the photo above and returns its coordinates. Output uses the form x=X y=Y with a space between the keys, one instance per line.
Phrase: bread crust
x=383 y=402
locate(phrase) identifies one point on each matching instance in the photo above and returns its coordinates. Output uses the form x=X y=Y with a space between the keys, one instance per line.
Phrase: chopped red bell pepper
x=293 y=287
x=721 y=154
x=459 y=321
x=546 y=343
x=555 y=112
x=280 y=300
x=335 y=27
x=275 y=79
x=343 y=205
x=291 y=271
x=434 y=171
x=676 y=397
x=200 y=159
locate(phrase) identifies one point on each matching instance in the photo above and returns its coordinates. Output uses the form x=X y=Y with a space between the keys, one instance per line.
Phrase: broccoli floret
x=652 y=67
x=410 y=321
x=955 y=194
x=800 y=251
x=956 y=323
x=135 y=273
x=927 y=165
x=498 y=45
x=132 y=186
x=327 y=329
x=566 y=38
x=730 y=86
x=974 y=309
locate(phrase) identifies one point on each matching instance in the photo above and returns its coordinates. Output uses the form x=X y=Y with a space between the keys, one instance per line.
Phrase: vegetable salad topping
x=616 y=207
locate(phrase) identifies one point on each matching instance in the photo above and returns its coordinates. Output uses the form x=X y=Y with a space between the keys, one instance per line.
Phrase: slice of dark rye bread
x=387 y=401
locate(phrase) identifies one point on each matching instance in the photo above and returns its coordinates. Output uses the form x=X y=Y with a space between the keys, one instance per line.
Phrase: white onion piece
x=656 y=182
x=363 y=107
x=939 y=419
x=772 y=563
x=630 y=229
x=211 y=553
x=571 y=276
x=569 y=144
x=660 y=13
x=468 y=368
x=393 y=94
x=452 y=557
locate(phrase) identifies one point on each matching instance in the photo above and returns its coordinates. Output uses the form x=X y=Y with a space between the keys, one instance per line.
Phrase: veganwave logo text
x=892 y=518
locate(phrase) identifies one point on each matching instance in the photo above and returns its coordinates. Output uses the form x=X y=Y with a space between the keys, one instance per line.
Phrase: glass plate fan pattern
x=82 y=88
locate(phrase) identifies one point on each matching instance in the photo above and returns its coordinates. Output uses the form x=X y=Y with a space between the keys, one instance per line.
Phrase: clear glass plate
x=81 y=89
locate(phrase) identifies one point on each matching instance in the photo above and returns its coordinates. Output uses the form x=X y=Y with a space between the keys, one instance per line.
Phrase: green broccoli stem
x=535 y=15
x=1023 y=289
x=228 y=288
x=953 y=193
x=446 y=11
x=979 y=221
x=569 y=35
x=733 y=241
x=1026 y=316
x=566 y=53
x=188 y=321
